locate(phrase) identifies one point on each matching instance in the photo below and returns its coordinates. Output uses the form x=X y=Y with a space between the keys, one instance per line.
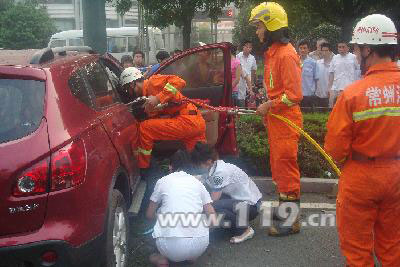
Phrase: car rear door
x=119 y=123
x=24 y=152
x=207 y=73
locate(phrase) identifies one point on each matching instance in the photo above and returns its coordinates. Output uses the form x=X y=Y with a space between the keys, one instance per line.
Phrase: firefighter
x=282 y=76
x=179 y=121
x=364 y=135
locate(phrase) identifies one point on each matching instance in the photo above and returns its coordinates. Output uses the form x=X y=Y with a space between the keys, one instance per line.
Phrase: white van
x=120 y=41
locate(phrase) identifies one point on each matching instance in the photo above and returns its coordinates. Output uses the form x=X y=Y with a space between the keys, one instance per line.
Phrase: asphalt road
x=314 y=246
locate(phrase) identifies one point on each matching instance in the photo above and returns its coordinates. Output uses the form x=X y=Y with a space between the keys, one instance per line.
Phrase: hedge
x=254 y=149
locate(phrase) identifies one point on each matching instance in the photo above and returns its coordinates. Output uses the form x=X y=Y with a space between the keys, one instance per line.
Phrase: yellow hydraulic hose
x=311 y=140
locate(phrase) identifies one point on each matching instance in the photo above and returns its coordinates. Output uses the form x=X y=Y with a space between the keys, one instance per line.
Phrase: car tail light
x=33 y=180
x=68 y=169
x=68 y=166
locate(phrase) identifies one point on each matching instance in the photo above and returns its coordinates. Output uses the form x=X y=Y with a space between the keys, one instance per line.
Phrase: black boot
x=282 y=227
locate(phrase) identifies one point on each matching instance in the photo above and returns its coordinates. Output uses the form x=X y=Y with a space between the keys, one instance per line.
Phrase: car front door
x=115 y=116
x=207 y=73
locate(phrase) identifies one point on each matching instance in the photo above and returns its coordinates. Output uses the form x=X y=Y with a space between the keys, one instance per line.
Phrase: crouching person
x=178 y=120
x=179 y=194
x=244 y=197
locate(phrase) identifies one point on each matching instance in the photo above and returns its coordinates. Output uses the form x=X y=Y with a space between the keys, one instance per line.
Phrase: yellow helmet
x=271 y=14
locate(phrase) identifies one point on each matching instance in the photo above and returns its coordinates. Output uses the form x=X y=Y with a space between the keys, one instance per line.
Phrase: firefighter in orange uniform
x=364 y=135
x=181 y=121
x=282 y=76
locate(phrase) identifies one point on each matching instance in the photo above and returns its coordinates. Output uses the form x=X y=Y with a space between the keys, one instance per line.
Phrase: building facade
x=68 y=15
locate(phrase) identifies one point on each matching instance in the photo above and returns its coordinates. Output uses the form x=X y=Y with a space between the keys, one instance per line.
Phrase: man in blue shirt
x=309 y=75
x=161 y=57
x=138 y=61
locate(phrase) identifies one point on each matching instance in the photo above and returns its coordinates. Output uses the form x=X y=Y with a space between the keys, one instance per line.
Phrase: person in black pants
x=244 y=197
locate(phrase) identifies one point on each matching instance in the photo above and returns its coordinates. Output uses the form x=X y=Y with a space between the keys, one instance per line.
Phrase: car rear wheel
x=117 y=232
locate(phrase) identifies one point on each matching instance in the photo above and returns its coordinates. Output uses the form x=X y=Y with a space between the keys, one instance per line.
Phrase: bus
x=120 y=41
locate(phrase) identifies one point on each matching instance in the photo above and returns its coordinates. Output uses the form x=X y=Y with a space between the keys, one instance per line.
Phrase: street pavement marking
x=323 y=206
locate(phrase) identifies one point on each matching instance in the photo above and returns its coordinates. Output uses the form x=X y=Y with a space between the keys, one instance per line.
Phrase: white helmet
x=375 y=29
x=129 y=75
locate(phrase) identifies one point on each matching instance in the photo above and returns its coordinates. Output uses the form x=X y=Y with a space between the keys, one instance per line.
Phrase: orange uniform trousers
x=189 y=129
x=283 y=142
x=368 y=212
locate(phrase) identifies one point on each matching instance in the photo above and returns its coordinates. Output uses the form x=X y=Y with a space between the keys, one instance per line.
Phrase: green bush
x=254 y=148
x=24 y=25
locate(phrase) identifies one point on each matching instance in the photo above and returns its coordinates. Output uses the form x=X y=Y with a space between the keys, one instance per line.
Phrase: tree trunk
x=187 y=30
x=94 y=25
x=347 y=29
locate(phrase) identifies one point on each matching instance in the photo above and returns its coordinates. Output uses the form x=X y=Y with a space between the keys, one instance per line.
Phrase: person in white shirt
x=249 y=68
x=179 y=194
x=318 y=54
x=344 y=70
x=323 y=64
x=228 y=179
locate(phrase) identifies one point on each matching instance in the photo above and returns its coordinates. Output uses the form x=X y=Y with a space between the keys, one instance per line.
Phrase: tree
x=161 y=13
x=25 y=26
x=5 y=4
x=301 y=22
x=327 y=31
x=345 y=13
x=311 y=19
x=244 y=31
x=94 y=25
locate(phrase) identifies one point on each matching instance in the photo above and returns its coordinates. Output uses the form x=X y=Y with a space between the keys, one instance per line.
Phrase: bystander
x=318 y=54
x=126 y=61
x=161 y=57
x=249 y=68
x=175 y=52
x=138 y=61
x=323 y=65
x=236 y=71
x=308 y=75
x=343 y=71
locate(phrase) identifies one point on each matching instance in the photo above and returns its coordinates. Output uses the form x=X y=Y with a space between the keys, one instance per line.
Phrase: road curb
x=308 y=185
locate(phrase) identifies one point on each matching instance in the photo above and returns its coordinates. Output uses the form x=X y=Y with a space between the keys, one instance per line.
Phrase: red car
x=68 y=174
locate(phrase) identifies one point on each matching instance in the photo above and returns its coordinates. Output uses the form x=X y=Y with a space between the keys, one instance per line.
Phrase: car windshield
x=76 y=42
x=116 y=44
x=21 y=107
x=58 y=43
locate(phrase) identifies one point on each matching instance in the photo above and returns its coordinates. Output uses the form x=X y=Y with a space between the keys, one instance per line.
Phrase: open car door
x=207 y=72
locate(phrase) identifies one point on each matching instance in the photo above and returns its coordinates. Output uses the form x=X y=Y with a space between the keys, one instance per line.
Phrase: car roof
x=123 y=31
x=16 y=57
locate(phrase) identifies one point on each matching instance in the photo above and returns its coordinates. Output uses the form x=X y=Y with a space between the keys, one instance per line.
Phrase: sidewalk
x=308 y=185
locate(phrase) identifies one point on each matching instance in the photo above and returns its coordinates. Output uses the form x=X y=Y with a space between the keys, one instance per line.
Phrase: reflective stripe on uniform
x=376 y=113
x=286 y=100
x=271 y=80
x=144 y=151
x=170 y=88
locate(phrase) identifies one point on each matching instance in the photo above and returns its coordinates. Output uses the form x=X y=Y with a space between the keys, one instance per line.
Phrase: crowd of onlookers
x=324 y=74
x=138 y=61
